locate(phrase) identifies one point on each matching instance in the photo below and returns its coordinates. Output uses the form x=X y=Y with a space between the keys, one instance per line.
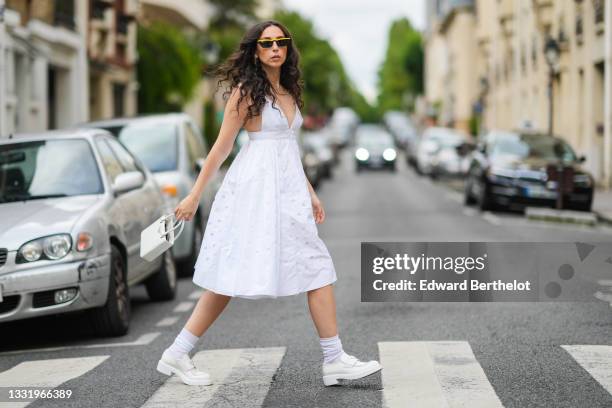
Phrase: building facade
x=511 y=73
x=111 y=46
x=43 y=66
x=450 y=76
x=64 y=62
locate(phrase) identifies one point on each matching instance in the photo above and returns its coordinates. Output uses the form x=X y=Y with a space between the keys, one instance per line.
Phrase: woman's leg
x=209 y=307
x=337 y=365
x=322 y=305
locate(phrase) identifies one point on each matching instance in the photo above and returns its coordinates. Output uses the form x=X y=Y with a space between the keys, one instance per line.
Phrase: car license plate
x=539 y=192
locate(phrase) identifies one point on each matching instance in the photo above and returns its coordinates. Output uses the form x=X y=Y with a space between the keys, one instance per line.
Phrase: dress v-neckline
x=289 y=125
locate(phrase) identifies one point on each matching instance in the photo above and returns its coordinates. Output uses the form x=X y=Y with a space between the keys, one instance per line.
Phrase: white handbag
x=159 y=236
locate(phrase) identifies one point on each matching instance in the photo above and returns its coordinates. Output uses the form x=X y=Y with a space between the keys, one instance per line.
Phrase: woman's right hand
x=187 y=208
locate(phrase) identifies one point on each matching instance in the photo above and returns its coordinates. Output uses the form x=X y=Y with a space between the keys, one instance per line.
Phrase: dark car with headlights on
x=509 y=169
x=374 y=148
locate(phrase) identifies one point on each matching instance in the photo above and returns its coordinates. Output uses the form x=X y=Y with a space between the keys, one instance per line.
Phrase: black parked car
x=509 y=169
x=374 y=148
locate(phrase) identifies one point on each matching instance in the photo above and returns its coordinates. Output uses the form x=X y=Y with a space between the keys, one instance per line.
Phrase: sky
x=358 y=30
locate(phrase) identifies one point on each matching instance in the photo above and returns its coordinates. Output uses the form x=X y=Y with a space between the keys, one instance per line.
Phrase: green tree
x=326 y=84
x=228 y=23
x=169 y=68
x=400 y=77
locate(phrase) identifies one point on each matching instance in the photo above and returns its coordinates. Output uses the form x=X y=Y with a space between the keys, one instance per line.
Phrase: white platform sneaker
x=184 y=368
x=348 y=367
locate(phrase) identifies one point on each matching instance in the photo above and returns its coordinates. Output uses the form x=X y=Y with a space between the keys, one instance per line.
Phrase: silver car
x=173 y=149
x=72 y=206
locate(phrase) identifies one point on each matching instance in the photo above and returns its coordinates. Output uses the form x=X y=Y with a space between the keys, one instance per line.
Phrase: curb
x=603 y=218
x=563 y=216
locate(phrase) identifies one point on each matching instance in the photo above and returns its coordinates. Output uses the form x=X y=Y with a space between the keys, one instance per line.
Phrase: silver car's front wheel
x=113 y=318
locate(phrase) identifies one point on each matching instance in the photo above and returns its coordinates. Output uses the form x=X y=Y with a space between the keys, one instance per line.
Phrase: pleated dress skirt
x=261 y=240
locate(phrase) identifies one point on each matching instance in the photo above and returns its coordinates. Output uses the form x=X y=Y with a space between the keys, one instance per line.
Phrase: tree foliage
x=400 y=77
x=169 y=68
x=326 y=84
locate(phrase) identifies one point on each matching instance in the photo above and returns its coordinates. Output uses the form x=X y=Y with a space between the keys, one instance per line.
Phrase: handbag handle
x=174 y=227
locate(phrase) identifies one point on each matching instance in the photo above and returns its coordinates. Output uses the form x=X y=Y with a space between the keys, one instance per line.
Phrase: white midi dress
x=261 y=239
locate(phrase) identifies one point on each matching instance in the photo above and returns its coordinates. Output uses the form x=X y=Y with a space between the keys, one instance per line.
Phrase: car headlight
x=52 y=247
x=362 y=154
x=389 y=154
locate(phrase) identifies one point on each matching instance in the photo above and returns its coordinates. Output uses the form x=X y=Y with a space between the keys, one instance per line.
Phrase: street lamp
x=551 y=52
x=563 y=175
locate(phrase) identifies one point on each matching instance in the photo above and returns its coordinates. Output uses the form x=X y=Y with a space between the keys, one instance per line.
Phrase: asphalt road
x=266 y=352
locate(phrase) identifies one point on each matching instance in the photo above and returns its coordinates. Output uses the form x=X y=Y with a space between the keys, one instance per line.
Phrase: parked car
x=72 y=206
x=430 y=147
x=321 y=147
x=173 y=149
x=401 y=128
x=451 y=157
x=342 y=126
x=310 y=161
x=374 y=148
x=508 y=169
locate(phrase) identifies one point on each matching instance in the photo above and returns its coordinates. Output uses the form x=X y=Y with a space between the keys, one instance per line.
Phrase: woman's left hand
x=317 y=209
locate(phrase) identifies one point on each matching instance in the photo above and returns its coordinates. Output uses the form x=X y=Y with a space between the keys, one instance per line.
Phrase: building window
x=118 y=99
x=63 y=14
x=599 y=11
x=579 y=23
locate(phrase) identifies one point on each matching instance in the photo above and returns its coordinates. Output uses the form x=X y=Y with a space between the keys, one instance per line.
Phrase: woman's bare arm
x=233 y=120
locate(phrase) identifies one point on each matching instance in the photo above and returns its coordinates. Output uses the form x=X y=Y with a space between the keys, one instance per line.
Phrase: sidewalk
x=602 y=204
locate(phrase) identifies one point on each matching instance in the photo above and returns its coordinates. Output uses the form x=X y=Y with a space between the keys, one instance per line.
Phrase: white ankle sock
x=183 y=344
x=332 y=348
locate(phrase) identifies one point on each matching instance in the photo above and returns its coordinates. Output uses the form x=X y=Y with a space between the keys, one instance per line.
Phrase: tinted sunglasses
x=281 y=41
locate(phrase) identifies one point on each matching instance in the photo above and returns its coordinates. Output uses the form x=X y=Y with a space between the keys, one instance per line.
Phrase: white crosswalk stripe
x=183 y=307
x=596 y=360
x=434 y=374
x=241 y=378
x=46 y=373
x=167 y=321
x=195 y=295
x=415 y=373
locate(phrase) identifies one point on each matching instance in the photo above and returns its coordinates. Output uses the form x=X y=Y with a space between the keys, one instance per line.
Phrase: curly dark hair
x=241 y=67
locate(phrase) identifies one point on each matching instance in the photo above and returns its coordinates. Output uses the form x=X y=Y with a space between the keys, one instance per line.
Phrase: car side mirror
x=128 y=181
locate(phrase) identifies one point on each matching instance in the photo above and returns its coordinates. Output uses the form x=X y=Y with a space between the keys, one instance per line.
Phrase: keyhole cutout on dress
x=278 y=105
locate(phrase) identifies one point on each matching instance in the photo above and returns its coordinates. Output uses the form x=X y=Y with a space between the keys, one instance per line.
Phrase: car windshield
x=374 y=139
x=527 y=146
x=47 y=169
x=155 y=144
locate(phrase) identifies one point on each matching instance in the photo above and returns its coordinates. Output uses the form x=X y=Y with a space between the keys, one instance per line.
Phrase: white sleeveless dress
x=261 y=239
